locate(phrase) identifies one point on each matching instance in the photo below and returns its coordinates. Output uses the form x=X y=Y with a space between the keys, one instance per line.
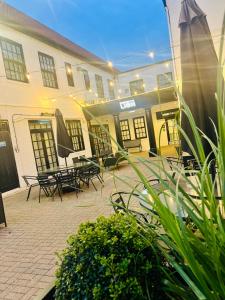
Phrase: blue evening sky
x=122 y=31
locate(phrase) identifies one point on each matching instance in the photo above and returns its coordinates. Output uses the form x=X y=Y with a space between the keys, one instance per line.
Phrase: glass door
x=43 y=144
x=101 y=140
x=172 y=132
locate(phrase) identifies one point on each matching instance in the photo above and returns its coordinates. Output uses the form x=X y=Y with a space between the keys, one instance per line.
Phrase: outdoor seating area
x=62 y=179
x=112 y=172
x=61 y=217
x=35 y=232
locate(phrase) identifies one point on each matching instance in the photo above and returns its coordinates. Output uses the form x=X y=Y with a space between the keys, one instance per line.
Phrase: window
x=86 y=79
x=43 y=144
x=75 y=131
x=101 y=140
x=139 y=128
x=125 y=130
x=137 y=87
x=99 y=85
x=14 y=62
x=69 y=74
x=111 y=89
x=165 y=80
x=48 y=70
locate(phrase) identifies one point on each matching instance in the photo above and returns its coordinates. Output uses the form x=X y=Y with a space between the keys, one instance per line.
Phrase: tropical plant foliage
x=195 y=245
x=192 y=240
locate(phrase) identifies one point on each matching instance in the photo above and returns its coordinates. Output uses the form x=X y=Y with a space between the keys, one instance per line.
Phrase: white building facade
x=139 y=97
x=38 y=74
x=41 y=71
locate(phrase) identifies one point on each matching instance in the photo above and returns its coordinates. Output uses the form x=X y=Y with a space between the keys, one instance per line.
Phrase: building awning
x=146 y=100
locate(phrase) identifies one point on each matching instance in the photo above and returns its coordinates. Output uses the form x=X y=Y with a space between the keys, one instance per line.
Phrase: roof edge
x=21 y=22
x=146 y=66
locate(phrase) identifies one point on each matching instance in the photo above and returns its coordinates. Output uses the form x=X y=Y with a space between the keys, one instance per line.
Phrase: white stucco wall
x=147 y=73
x=31 y=99
x=213 y=9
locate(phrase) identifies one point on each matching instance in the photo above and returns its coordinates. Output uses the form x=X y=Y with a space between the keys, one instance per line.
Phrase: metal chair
x=121 y=204
x=174 y=164
x=87 y=175
x=48 y=185
x=75 y=159
x=68 y=179
x=110 y=162
x=30 y=185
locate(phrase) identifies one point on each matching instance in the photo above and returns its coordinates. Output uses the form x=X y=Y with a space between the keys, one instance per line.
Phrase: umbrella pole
x=66 y=161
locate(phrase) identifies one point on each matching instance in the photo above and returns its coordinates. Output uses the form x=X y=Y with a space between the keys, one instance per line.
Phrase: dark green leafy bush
x=112 y=258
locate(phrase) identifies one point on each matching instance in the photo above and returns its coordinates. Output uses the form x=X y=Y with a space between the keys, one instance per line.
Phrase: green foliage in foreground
x=199 y=248
x=111 y=259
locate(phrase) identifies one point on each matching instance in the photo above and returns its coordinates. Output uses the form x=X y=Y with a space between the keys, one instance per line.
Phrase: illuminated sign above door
x=127 y=104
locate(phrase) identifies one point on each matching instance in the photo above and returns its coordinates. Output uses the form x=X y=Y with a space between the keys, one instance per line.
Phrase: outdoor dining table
x=76 y=166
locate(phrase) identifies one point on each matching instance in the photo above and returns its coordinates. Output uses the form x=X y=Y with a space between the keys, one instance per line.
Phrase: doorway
x=101 y=140
x=172 y=132
x=8 y=172
x=43 y=144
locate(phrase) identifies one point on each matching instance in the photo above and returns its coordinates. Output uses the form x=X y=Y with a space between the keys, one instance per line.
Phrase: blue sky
x=122 y=31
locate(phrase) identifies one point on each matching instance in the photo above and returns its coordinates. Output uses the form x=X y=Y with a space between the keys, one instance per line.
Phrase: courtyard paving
x=36 y=232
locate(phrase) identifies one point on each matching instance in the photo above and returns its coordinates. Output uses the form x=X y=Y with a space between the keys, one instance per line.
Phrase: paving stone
x=36 y=232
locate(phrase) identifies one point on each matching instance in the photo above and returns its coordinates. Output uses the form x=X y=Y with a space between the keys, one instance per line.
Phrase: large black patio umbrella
x=64 y=141
x=199 y=72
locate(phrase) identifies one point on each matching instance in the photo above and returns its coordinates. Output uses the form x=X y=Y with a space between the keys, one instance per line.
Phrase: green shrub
x=110 y=259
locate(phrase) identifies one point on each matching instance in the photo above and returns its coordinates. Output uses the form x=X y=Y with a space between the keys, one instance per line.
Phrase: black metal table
x=77 y=166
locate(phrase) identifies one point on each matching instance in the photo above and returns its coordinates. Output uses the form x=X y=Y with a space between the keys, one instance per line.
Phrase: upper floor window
x=86 y=79
x=99 y=85
x=137 y=87
x=164 y=80
x=75 y=131
x=111 y=89
x=14 y=62
x=48 y=70
x=69 y=74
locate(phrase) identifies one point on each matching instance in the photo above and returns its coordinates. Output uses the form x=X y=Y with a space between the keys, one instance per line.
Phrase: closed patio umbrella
x=64 y=141
x=199 y=72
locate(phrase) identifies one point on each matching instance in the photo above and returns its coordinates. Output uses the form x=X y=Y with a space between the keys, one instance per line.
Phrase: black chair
x=153 y=182
x=29 y=185
x=120 y=156
x=87 y=175
x=121 y=202
x=109 y=162
x=175 y=163
x=75 y=159
x=82 y=158
x=48 y=185
x=68 y=179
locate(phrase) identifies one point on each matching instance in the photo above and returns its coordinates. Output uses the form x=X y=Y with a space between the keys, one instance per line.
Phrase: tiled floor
x=37 y=231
